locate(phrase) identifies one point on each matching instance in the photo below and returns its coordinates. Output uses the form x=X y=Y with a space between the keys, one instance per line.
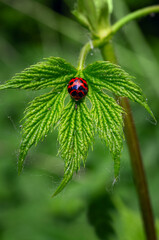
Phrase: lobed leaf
x=42 y=115
x=106 y=75
x=81 y=18
x=86 y=13
x=94 y=15
x=54 y=72
x=104 y=9
x=75 y=135
x=107 y=115
x=76 y=124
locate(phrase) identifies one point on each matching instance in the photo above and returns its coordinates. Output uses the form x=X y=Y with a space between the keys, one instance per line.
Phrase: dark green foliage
x=100 y=212
x=76 y=125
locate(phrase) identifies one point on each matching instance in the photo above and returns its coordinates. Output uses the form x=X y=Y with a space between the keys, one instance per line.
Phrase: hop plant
x=77 y=122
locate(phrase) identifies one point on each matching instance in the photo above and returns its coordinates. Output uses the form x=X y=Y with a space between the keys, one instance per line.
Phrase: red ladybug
x=77 y=88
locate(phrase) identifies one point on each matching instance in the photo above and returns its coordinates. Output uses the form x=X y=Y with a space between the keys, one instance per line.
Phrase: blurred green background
x=90 y=207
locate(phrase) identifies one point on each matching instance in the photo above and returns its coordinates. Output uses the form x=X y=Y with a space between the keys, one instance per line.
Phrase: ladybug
x=77 y=88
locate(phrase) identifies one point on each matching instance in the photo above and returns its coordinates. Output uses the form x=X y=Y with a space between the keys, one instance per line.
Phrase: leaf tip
x=150 y=112
x=61 y=186
x=20 y=166
x=2 y=87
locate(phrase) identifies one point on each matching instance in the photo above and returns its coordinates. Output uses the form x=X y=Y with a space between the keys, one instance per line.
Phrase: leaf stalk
x=85 y=50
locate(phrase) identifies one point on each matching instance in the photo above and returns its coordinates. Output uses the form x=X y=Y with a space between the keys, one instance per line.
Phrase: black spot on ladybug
x=84 y=91
x=81 y=88
x=69 y=90
x=77 y=88
x=73 y=94
x=80 y=94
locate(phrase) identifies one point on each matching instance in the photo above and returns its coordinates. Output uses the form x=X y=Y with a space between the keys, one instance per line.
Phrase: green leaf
x=81 y=19
x=107 y=115
x=88 y=9
x=42 y=115
x=75 y=135
x=103 y=15
x=76 y=122
x=110 y=5
x=106 y=75
x=54 y=72
x=94 y=15
x=103 y=7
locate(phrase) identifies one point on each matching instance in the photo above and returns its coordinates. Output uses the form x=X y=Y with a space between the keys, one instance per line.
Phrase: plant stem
x=123 y=21
x=134 y=15
x=85 y=50
x=135 y=155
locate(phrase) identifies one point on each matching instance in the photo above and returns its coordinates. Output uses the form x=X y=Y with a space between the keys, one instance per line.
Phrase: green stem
x=123 y=21
x=138 y=172
x=136 y=158
x=85 y=50
x=134 y=15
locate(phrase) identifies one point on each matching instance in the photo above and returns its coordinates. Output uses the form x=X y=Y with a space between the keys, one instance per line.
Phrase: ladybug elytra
x=77 y=88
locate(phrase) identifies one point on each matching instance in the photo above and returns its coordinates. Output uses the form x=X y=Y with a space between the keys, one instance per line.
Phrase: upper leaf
x=94 y=15
x=81 y=18
x=106 y=75
x=42 y=115
x=86 y=14
x=54 y=72
x=75 y=135
x=104 y=9
x=110 y=5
